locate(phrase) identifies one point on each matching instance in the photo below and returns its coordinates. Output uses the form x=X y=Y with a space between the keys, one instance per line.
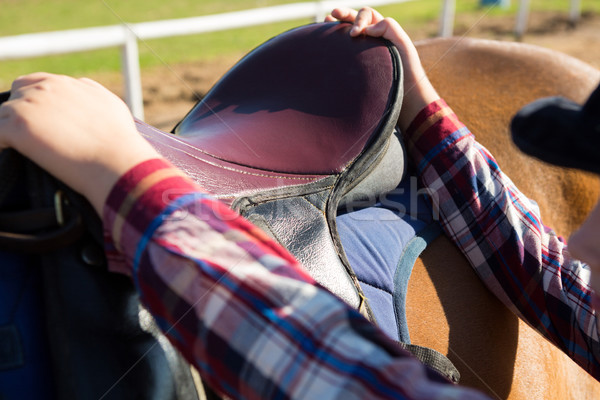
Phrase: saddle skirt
x=298 y=128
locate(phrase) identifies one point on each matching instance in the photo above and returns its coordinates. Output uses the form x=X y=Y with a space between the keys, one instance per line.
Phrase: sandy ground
x=169 y=92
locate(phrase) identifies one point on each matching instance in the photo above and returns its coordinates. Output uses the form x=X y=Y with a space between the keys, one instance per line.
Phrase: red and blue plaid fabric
x=241 y=309
x=500 y=232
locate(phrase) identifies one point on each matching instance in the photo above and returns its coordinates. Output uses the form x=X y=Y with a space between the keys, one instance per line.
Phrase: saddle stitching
x=279 y=193
x=322 y=211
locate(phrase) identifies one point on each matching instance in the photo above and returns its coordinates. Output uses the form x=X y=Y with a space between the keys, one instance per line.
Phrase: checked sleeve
x=500 y=232
x=241 y=309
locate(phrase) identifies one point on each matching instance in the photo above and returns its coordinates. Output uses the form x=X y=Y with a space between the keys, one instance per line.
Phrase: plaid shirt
x=256 y=326
x=500 y=232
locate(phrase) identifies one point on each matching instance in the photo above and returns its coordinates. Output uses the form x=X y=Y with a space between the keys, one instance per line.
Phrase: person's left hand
x=75 y=129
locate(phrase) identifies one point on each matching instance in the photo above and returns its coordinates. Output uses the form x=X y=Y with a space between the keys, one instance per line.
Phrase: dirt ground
x=169 y=92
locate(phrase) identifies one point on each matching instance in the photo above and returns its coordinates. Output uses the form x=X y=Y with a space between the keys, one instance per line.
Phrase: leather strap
x=34 y=230
x=435 y=360
x=10 y=165
x=37 y=231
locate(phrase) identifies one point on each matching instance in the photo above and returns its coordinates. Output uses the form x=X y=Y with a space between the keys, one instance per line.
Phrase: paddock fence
x=127 y=35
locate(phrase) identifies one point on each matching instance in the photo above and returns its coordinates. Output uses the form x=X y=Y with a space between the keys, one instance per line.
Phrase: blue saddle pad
x=382 y=243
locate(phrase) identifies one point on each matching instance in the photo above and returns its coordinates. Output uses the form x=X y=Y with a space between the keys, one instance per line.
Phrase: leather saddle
x=299 y=128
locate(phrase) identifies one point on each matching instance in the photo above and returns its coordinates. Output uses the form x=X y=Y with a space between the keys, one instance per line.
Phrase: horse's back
x=486 y=82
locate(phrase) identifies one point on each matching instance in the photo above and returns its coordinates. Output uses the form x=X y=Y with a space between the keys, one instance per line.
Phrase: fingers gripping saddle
x=299 y=127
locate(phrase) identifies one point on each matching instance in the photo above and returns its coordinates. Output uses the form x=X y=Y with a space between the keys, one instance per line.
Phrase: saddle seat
x=298 y=128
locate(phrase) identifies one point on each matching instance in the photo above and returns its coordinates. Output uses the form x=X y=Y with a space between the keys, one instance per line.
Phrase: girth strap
x=38 y=230
x=434 y=359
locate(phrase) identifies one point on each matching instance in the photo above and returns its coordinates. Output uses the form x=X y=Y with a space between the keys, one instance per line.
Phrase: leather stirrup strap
x=38 y=230
x=34 y=229
x=434 y=360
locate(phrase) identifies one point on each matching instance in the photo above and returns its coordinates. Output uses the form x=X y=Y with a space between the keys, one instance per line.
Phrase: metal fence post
x=125 y=36
x=575 y=11
x=522 y=17
x=447 y=18
x=130 y=60
x=320 y=13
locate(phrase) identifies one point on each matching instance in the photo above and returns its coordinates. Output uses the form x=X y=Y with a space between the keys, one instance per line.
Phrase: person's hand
x=418 y=91
x=584 y=245
x=75 y=129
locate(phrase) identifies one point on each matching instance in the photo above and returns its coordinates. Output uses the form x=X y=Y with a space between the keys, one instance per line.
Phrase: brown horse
x=448 y=309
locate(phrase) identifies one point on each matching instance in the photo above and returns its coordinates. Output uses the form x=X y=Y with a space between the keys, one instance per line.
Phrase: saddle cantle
x=300 y=126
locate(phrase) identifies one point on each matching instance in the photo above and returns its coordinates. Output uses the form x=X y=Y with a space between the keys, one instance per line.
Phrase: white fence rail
x=127 y=35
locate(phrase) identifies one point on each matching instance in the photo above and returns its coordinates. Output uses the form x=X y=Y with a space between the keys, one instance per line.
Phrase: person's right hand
x=75 y=129
x=418 y=91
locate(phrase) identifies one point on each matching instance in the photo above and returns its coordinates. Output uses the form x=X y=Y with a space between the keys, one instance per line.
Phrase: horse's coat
x=448 y=308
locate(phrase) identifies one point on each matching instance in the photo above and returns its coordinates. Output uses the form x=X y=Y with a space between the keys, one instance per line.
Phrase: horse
x=448 y=309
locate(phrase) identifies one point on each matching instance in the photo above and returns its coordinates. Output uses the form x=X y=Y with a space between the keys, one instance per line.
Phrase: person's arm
x=242 y=310
x=235 y=303
x=495 y=226
x=500 y=232
x=60 y=122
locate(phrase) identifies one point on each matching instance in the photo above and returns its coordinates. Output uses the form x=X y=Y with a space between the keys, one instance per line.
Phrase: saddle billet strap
x=36 y=231
x=33 y=230
x=433 y=359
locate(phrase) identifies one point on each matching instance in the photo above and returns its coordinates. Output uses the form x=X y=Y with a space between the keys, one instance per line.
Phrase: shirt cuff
x=430 y=128
x=137 y=198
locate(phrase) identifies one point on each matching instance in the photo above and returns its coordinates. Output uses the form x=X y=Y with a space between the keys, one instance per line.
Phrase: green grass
x=27 y=16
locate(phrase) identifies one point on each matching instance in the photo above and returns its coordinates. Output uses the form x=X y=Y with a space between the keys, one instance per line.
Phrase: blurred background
x=177 y=71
